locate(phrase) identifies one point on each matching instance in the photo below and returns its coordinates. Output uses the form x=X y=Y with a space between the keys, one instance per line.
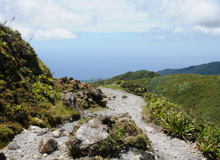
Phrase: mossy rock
x=122 y=134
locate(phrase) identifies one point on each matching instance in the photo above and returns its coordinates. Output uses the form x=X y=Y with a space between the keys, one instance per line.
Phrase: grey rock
x=87 y=135
x=69 y=99
x=42 y=131
x=81 y=94
x=65 y=133
x=91 y=132
x=57 y=133
x=125 y=119
x=35 y=129
x=13 y=146
x=47 y=145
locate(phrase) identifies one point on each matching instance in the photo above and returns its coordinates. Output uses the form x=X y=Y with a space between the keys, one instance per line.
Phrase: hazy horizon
x=104 y=38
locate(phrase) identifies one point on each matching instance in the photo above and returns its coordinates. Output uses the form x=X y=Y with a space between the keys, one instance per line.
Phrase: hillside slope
x=199 y=94
x=212 y=68
x=135 y=75
x=30 y=95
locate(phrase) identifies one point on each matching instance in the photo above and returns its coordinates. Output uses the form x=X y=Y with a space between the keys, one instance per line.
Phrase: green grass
x=198 y=94
x=97 y=109
x=177 y=123
x=113 y=86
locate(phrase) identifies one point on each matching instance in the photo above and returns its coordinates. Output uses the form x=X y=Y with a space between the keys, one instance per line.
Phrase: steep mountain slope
x=212 y=68
x=30 y=95
x=25 y=82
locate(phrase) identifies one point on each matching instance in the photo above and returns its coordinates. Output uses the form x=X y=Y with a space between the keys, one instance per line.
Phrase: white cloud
x=178 y=30
x=53 y=34
x=208 y=31
x=202 y=12
x=27 y=33
x=111 y=16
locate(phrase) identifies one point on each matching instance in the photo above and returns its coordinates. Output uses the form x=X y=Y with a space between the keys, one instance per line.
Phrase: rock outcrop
x=106 y=136
x=69 y=99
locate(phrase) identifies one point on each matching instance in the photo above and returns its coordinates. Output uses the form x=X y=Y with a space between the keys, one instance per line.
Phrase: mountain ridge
x=212 y=68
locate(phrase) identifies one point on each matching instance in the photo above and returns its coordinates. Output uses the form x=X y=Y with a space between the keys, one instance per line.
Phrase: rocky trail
x=164 y=147
x=25 y=145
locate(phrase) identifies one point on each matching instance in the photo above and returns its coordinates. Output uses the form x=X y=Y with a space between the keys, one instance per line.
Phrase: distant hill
x=198 y=94
x=212 y=68
x=136 y=75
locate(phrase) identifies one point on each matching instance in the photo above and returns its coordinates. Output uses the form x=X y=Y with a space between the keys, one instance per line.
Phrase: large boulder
x=87 y=135
x=47 y=145
x=97 y=96
x=106 y=136
x=95 y=93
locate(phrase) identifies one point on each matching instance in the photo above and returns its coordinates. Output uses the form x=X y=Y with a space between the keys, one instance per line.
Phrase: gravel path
x=165 y=148
x=28 y=141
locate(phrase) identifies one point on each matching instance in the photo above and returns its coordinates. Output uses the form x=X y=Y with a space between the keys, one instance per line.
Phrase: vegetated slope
x=199 y=94
x=138 y=75
x=212 y=68
x=26 y=86
x=135 y=75
x=28 y=92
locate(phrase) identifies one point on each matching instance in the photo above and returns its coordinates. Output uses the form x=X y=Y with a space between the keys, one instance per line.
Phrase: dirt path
x=166 y=148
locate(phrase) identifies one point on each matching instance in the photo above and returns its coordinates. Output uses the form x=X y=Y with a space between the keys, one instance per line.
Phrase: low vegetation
x=176 y=122
x=198 y=94
x=141 y=74
x=189 y=111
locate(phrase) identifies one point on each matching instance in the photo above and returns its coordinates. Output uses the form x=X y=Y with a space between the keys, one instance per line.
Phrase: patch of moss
x=7 y=132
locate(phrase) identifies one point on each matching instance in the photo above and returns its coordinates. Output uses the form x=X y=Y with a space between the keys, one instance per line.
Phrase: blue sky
x=102 y=38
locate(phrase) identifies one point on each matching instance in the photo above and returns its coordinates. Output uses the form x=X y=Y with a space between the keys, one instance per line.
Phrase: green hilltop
x=212 y=68
x=135 y=75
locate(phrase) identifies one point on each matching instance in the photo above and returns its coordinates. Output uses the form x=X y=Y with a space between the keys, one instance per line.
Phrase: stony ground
x=166 y=148
x=28 y=142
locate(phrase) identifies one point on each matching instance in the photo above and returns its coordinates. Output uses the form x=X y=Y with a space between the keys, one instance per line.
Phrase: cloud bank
x=62 y=19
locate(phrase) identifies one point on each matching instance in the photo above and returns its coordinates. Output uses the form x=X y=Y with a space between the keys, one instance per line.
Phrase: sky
x=89 y=39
